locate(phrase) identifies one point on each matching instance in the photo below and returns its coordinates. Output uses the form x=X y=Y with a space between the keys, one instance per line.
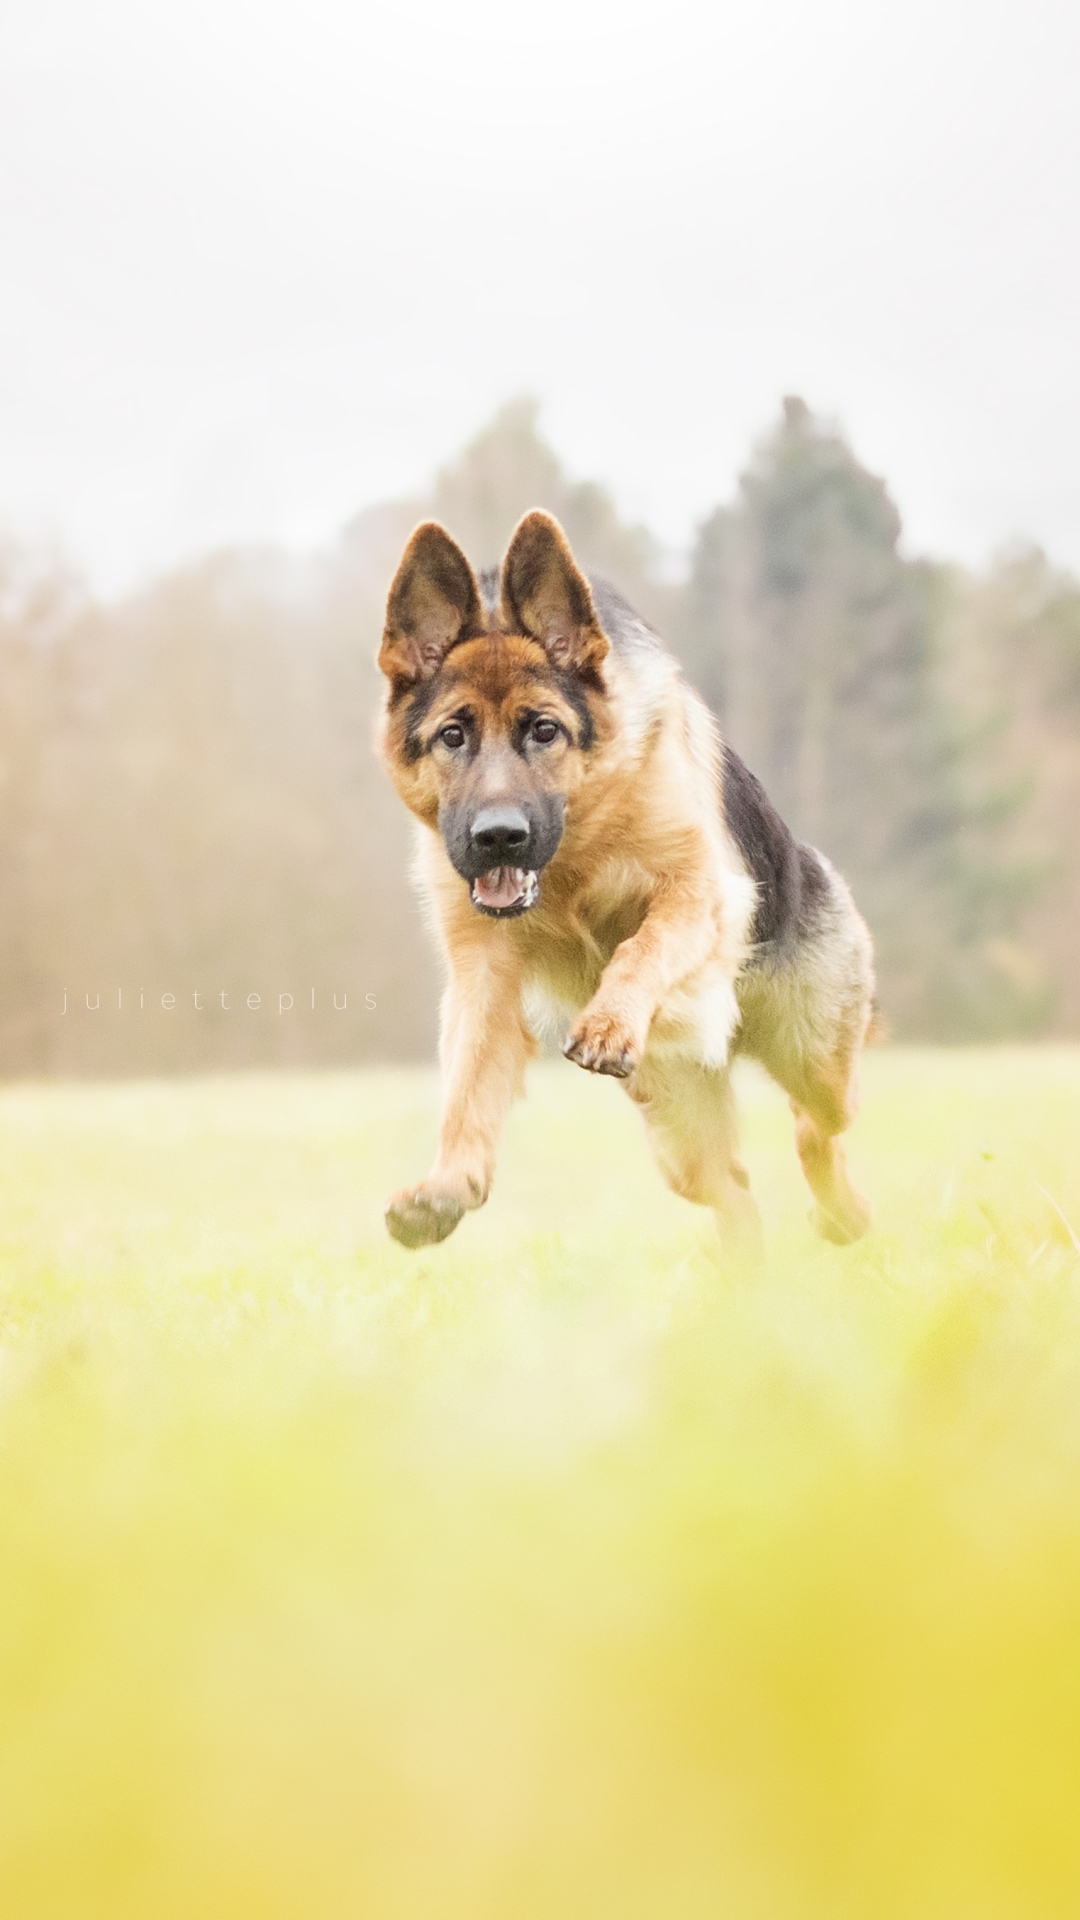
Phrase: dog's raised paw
x=418 y=1218
x=601 y=1045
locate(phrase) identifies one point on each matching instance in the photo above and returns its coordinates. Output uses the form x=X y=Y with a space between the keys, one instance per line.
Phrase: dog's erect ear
x=545 y=595
x=433 y=603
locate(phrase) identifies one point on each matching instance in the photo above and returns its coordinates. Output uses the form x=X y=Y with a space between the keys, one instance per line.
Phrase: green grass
x=554 y=1572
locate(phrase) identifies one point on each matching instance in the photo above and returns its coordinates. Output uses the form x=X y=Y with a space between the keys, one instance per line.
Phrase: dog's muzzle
x=503 y=889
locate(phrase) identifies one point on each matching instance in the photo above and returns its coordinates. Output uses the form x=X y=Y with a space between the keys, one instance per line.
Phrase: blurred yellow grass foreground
x=553 y=1572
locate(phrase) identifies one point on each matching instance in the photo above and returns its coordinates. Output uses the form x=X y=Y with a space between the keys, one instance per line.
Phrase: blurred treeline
x=191 y=805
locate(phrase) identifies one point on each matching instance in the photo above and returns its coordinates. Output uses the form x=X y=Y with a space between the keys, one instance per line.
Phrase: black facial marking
x=420 y=704
x=570 y=686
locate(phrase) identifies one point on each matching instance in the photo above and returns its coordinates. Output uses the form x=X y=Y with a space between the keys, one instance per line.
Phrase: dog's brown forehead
x=498 y=667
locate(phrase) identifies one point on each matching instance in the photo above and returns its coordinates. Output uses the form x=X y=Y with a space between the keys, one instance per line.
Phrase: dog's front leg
x=484 y=1047
x=677 y=934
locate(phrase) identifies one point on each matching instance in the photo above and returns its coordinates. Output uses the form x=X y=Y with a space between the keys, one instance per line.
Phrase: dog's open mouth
x=505 y=891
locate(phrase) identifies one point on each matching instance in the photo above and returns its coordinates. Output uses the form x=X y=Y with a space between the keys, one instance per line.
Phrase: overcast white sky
x=264 y=261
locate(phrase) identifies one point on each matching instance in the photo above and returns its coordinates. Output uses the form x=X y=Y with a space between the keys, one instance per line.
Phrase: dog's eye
x=452 y=736
x=544 y=732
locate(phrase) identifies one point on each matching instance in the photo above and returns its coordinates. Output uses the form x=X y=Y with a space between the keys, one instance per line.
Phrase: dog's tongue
x=500 y=887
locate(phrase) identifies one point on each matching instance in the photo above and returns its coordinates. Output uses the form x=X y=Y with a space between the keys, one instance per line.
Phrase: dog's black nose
x=499 y=833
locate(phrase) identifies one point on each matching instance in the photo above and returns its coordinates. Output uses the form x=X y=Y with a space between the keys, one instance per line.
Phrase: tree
x=1014 y=661
x=818 y=644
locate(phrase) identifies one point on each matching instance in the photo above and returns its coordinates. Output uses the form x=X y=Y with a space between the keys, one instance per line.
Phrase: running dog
x=595 y=855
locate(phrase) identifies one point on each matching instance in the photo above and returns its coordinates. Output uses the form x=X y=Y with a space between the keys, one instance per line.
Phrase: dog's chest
x=570 y=945
x=569 y=940
x=612 y=906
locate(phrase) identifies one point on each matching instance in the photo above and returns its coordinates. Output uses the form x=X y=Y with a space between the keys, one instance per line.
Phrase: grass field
x=552 y=1574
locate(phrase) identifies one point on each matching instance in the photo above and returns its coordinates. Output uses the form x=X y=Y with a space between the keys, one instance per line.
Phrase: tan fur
x=640 y=936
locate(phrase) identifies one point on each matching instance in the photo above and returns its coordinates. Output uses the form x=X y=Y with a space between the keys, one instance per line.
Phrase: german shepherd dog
x=590 y=848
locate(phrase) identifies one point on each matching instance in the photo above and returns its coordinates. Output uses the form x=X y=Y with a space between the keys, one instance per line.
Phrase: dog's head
x=491 y=714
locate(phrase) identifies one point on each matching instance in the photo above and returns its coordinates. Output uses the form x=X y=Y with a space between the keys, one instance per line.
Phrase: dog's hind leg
x=824 y=1099
x=689 y=1113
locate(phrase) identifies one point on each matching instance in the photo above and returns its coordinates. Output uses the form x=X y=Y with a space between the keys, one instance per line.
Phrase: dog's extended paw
x=420 y=1217
x=601 y=1044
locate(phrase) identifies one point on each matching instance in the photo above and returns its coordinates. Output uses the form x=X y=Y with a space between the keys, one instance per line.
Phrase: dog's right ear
x=433 y=603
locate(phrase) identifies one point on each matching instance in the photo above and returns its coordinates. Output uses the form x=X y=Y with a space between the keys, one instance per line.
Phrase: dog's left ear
x=545 y=594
